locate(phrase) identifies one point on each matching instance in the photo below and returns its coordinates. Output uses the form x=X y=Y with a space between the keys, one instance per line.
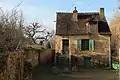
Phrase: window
x=85 y=44
x=92 y=28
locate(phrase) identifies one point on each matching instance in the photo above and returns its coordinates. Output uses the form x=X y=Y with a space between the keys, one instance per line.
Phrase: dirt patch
x=44 y=73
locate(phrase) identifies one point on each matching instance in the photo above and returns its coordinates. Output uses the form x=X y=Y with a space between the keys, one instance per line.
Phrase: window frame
x=93 y=26
x=84 y=44
x=90 y=45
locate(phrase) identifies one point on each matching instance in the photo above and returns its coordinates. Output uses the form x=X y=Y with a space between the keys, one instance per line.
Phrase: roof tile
x=65 y=25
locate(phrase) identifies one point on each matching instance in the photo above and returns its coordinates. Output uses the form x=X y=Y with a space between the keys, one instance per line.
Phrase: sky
x=44 y=11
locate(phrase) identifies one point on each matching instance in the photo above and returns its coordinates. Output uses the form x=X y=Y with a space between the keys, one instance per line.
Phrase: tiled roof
x=65 y=25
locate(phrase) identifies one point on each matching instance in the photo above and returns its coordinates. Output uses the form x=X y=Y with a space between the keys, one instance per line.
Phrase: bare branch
x=17 y=6
x=34 y=32
x=11 y=35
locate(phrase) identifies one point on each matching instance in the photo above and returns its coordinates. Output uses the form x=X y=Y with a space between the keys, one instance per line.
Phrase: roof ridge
x=88 y=12
x=78 y=12
x=64 y=12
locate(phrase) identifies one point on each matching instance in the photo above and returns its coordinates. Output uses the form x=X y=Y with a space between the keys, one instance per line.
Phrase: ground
x=43 y=73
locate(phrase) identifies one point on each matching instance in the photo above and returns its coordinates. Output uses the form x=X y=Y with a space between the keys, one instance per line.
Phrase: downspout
x=110 y=56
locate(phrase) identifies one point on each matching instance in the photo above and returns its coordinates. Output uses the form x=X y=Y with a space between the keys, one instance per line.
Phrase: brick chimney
x=75 y=15
x=101 y=11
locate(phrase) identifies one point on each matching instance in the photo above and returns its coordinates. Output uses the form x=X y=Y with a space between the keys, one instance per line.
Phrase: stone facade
x=102 y=45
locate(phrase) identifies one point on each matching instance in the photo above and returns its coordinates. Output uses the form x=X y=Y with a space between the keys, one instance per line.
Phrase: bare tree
x=35 y=33
x=114 y=48
x=11 y=35
x=115 y=30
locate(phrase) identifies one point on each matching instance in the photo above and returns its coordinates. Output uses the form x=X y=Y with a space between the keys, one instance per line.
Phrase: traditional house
x=82 y=33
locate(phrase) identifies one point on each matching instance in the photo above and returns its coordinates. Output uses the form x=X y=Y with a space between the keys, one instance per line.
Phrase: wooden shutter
x=91 y=44
x=79 y=44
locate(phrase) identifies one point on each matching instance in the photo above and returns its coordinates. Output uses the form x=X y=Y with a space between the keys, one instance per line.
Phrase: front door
x=65 y=46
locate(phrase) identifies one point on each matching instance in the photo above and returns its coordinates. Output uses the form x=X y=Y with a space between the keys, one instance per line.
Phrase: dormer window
x=91 y=26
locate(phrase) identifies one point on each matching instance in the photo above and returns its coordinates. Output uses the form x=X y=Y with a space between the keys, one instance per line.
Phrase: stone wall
x=46 y=56
x=18 y=65
x=102 y=46
x=102 y=43
x=36 y=56
x=32 y=55
x=14 y=66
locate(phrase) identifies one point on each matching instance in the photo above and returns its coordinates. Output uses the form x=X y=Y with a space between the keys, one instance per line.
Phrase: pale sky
x=44 y=11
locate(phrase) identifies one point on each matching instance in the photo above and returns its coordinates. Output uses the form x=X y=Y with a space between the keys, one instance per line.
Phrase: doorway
x=65 y=46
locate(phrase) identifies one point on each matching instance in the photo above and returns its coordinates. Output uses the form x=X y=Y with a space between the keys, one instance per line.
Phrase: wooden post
x=39 y=56
x=119 y=55
x=53 y=57
x=119 y=50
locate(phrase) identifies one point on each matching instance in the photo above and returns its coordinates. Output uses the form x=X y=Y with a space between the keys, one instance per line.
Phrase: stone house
x=81 y=34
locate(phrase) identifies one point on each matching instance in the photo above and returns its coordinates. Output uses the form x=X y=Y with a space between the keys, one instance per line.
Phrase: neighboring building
x=82 y=33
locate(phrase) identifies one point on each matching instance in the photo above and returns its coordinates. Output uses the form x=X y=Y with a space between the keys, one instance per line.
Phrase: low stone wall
x=32 y=56
x=46 y=56
x=97 y=60
x=14 y=66
x=36 y=56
